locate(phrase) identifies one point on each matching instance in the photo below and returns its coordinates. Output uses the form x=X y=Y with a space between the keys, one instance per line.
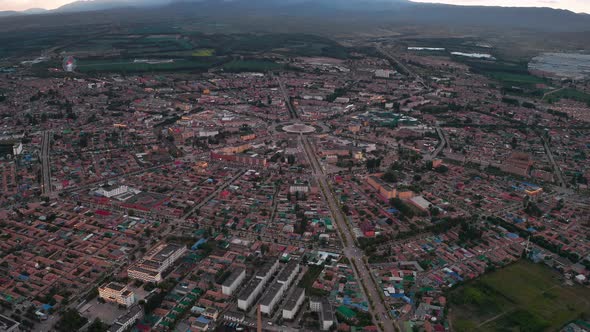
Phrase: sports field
x=521 y=297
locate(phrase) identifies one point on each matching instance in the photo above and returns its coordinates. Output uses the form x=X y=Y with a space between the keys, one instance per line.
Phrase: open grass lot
x=521 y=297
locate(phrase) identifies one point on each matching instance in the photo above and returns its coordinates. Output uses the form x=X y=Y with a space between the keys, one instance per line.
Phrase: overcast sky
x=574 y=5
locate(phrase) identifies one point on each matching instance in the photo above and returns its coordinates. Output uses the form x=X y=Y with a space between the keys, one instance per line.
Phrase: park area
x=520 y=297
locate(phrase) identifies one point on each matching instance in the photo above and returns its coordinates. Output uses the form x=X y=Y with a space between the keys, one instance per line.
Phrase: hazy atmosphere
x=573 y=5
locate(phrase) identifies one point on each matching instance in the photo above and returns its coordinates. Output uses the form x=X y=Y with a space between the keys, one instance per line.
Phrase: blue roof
x=203 y=320
x=198 y=244
x=512 y=236
x=530 y=185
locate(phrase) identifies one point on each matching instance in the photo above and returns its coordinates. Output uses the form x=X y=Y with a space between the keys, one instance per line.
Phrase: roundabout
x=299 y=128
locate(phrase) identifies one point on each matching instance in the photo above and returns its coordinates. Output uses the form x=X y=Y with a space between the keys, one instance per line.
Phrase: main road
x=350 y=250
x=292 y=111
x=556 y=168
x=400 y=65
x=45 y=164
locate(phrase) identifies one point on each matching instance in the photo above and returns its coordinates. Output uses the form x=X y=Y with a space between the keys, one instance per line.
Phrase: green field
x=516 y=79
x=569 y=93
x=507 y=73
x=203 y=52
x=521 y=297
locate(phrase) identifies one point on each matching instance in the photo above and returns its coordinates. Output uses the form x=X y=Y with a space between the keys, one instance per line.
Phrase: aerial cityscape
x=294 y=166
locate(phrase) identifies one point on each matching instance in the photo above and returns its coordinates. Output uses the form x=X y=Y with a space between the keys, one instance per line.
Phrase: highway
x=46 y=165
x=350 y=250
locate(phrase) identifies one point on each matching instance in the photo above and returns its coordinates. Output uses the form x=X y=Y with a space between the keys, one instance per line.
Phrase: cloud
x=26 y=4
x=573 y=5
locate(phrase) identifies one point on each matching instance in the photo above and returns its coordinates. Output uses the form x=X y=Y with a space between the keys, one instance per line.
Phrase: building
x=124 y=322
x=384 y=73
x=385 y=189
x=267 y=270
x=208 y=133
x=420 y=203
x=8 y=325
x=156 y=261
x=111 y=190
x=116 y=293
x=11 y=145
x=201 y=324
x=254 y=287
x=234 y=317
x=243 y=159
x=288 y=273
x=293 y=303
x=327 y=317
x=518 y=163
x=211 y=313
x=298 y=188
x=315 y=304
x=234 y=280
x=250 y=292
x=272 y=297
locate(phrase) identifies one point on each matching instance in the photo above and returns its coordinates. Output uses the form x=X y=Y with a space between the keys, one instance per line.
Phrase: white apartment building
x=116 y=293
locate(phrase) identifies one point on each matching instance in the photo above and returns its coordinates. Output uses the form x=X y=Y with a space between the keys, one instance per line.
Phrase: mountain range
x=378 y=11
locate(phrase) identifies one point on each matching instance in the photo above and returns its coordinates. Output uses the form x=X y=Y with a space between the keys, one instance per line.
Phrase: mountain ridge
x=372 y=11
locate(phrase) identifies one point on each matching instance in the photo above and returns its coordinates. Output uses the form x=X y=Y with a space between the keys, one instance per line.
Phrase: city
x=426 y=184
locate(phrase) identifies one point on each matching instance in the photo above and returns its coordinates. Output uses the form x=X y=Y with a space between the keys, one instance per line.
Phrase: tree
x=97 y=326
x=153 y=302
x=345 y=209
x=70 y=320
x=390 y=177
x=441 y=169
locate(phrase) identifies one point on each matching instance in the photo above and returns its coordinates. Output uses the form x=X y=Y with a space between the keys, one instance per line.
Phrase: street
x=350 y=250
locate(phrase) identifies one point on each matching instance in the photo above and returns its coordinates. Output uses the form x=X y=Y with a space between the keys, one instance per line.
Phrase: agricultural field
x=171 y=50
x=516 y=79
x=203 y=52
x=568 y=93
x=506 y=73
x=521 y=297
